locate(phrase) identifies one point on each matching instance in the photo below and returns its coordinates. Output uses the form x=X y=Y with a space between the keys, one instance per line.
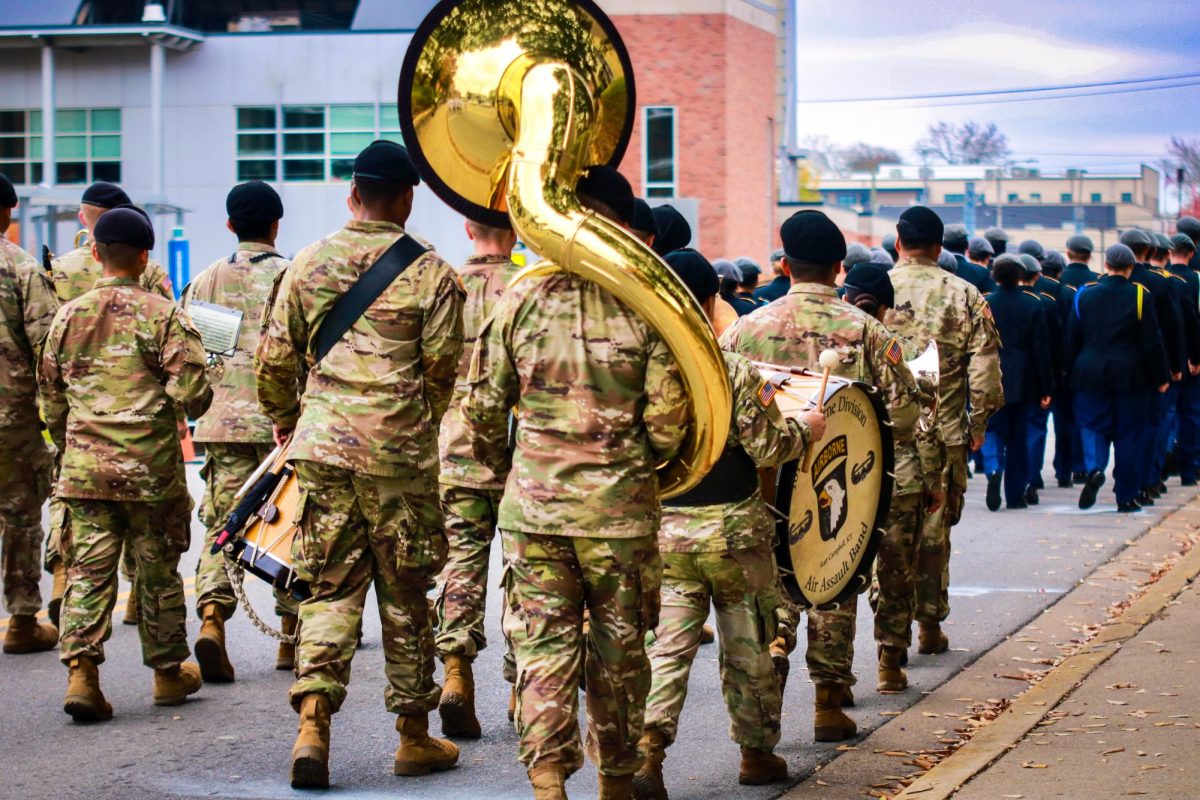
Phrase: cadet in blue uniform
x=955 y=240
x=1118 y=361
x=998 y=239
x=1038 y=417
x=1028 y=378
x=750 y=275
x=1079 y=255
x=1190 y=227
x=779 y=285
x=1187 y=448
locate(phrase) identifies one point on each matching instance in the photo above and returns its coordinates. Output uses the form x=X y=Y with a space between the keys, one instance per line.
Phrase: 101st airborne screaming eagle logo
x=837 y=508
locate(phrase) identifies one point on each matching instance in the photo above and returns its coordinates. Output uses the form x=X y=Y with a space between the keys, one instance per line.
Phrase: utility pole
x=1180 y=173
x=969 y=208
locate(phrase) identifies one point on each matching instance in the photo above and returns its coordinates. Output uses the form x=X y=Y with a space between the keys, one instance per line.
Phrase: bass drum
x=832 y=513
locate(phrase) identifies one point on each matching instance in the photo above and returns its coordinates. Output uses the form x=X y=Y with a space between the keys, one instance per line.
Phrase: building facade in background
x=179 y=101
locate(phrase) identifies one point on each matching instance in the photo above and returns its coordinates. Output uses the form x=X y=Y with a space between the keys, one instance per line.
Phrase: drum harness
x=346 y=310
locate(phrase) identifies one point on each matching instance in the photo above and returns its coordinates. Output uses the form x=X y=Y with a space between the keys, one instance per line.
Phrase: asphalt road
x=234 y=740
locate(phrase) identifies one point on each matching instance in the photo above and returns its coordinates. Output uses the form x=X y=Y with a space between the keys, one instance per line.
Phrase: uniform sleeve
x=51 y=386
x=39 y=304
x=493 y=388
x=442 y=342
x=279 y=360
x=155 y=279
x=983 y=369
x=666 y=414
x=760 y=427
x=183 y=366
x=1043 y=358
x=1153 y=350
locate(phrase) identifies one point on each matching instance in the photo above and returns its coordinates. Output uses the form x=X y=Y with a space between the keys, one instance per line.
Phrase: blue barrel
x=179 y=258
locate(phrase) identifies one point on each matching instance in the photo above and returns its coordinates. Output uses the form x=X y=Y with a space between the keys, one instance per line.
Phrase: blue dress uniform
x=1189 y=317
x=1077 y=275
x=1027 y=370
x=774 y=290
x=1054 y=297
x=974 y=274
x=1187 y=449
x=1118 y=361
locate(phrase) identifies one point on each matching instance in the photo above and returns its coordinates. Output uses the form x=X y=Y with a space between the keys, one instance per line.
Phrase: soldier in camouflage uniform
x=364 y=444
x=933 y=306
x=793 y=331
x=580 y=509
x=27 y=304
x=73 y=274
x=715 y=543
x=117 y=361
x=470 y=496
x=236 y=435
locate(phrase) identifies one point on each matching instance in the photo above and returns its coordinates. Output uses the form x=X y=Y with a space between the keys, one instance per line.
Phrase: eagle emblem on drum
x=829 y=486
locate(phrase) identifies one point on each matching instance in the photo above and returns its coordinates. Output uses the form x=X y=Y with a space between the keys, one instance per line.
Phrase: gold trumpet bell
x=503 y=104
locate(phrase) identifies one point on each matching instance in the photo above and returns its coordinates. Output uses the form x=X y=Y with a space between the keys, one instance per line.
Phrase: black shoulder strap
x=365 y=291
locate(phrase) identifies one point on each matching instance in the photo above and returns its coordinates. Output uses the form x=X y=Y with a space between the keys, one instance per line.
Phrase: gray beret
x=979 y=246
x=727 y=269
x=1081 y=244
x=954 y=236
x=856 y=254
x=1119 y=256
x=1182 y=242
x=777 y=256
x=1033 y=248
x=1161 y=240
x=1031 y=264
x=947 y=261
x=1135 y=237
x=749 y=267
x=995 y=235
x=888 y=242
x=1190 y=226
x=1054 y=260
x=882 y=257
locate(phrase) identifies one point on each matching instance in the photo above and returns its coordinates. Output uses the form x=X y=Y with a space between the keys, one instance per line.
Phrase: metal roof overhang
x=169 y=36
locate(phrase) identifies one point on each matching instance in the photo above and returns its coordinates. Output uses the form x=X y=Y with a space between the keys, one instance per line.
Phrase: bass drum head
x=836 y=510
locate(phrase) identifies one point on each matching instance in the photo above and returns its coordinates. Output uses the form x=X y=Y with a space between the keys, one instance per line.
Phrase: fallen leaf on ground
x=1032 y=765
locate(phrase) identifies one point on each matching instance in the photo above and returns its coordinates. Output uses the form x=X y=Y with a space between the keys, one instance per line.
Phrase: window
x=1126 y=197
x=1097 y=197
x=1035 y=197
x=845 y=200
x=309 y=142
x=1066 y=197
x=659 y=151
x=956 y=198
x=87 y=145
x=1013 y=197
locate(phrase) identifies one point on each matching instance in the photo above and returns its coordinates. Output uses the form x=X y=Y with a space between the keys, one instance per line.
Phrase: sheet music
x=219 y=326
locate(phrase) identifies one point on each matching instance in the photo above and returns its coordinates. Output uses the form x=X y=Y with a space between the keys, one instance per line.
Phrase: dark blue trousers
x=1005 y=448
x=1117 y=421
x=1068 y=453
x=1187 y=448
x=1152 y=425
x=1036 y=442
x=1167 y=429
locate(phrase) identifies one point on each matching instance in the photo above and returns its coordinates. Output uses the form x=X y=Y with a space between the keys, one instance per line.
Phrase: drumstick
x=827 y=361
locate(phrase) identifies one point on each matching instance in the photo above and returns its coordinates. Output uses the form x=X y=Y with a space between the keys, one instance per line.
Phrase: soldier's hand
x=815 y=420
x=1045 y=402
x=934 y=500
x=1194 y=369
x=1176 y=377
x=976 y=442
x=1163 y=389
x=281 y=434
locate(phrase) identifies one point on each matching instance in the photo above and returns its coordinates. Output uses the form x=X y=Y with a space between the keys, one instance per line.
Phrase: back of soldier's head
x=920 y=229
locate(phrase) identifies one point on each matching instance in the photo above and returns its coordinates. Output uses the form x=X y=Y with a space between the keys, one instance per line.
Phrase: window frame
x=33 y=165
x=1127 y=198
x=671 y=186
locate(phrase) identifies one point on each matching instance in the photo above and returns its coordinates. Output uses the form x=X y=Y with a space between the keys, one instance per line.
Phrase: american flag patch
x=892 y=351
x=766 y=393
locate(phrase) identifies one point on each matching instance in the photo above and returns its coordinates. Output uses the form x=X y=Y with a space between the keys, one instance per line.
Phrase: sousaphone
x=503 y=104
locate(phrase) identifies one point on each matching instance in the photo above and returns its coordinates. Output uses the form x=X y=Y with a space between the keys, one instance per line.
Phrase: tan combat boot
x=84 y=701
x=760 y=767
x=26 y=635
x=648 y=780
x=285 y=656
x=549 y=782
x=310 y=754
x=830 y=723
x=210 y=646
x=512 y=704
x=779 y=658
x=57 y=591
x=707 y=634
x=616 y=787
x=847 y=697
x=419 y=753
x=132 y=612
x=930 y=639
x=892 y=678
x=172 y=685
x=457 y=705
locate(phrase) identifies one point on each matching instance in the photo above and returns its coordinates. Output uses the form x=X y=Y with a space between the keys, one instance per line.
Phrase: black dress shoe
x=1017 y=506
x=1079 y=477
x=1128 y=508
x=1161 y=488
x=993 y=491
x=1065 y=483
x=1144 y=499
x=1091 y=485
x=1187 y=482
x=1031 y=495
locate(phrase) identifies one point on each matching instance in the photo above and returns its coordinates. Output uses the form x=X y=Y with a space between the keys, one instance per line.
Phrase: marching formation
x=438 y=406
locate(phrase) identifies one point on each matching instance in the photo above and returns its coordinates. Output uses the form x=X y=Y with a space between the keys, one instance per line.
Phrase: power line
x=1011 y=91
x=1068 y=96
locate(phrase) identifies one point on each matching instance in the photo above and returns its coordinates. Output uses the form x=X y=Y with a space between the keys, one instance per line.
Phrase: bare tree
x=1183 y=153
x=863 y=157
x=969 y=143
x=825 y=156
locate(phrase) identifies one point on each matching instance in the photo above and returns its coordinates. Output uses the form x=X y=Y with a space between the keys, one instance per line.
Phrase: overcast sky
x=867 y=48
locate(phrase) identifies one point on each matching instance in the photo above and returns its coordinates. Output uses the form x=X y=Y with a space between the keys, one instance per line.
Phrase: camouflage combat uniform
x=236 y=435
x=932 y=305
x=793 y=331
x=365 y=450
x=470 y=493
x=75 y=273
x=27 y=305
x=117 y=363
x=721 y=554
x=600 y=403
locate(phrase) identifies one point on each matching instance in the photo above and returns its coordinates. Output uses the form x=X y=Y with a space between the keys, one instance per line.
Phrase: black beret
x=253 y=202
x=125 y=224
x=955 y=237
x=643 y=218
x=920 y=225
x=1136 y=237
x=383 y=160
x=1081 y=244
x=870 y=279
x=608 y=186
x=8 y=195
x=1032 y=247
x=1119 y=256
x=1190 y=226
x=105 y=195
x=695 y=271
x=674 y=232
x=813 y=237
x=1182 y=242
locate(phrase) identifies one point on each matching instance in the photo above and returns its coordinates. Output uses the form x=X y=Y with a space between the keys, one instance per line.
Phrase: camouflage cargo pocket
x=419 y=548
x=208 y=506
x=307 y=552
